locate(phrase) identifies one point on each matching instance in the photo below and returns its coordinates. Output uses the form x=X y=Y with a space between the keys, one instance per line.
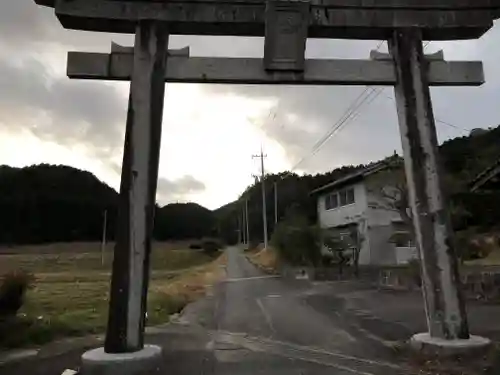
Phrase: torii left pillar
x=124 y=351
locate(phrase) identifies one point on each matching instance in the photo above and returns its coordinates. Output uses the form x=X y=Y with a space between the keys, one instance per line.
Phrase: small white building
x=358 y=203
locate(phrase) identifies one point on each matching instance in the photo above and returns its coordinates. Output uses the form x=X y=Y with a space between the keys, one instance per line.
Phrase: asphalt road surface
x=252 y=323
x=263 y=322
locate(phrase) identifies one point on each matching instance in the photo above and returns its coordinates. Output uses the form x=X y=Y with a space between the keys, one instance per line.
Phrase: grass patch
x=70 y=293
x=183 y=289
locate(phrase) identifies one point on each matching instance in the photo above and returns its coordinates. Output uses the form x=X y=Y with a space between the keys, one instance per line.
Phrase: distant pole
x=238 y=229
x=243 y=225
x=262 y=182
x=246 y=222
x=103 y=243
x=275 y=203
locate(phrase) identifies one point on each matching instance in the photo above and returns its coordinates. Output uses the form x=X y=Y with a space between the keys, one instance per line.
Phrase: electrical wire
x=350 y=114
x=437 y=119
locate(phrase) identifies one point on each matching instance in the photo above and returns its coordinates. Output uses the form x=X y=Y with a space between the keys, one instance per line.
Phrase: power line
x=438 y=119
x=352 y=108
x=349 y=115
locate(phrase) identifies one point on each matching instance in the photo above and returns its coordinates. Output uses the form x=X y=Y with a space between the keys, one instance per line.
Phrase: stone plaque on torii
x=286 y=25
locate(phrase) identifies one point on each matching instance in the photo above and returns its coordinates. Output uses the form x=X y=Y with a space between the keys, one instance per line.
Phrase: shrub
x=297 y=242
x=469 y=245
x=211 y=246
x=12 y=292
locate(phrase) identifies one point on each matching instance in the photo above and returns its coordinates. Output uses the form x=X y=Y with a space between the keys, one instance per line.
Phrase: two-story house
x=358 y=204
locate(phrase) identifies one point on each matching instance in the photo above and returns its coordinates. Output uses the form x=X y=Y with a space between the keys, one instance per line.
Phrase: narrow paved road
x=263 y=322
x=252 y=324
x=260 y=305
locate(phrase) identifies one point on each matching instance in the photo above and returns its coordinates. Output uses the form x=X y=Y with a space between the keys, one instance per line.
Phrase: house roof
x=488 y=179
x=351 y=178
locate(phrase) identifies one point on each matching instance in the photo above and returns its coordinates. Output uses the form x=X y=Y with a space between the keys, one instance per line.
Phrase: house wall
x=346 y=214
x=380 y=218
x=382 y=251
x=353 y=213
x=405 y=254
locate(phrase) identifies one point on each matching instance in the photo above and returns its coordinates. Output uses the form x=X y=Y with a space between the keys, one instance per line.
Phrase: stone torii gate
x=286 y=25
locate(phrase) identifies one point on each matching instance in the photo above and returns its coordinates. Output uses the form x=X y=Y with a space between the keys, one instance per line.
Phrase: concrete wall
x=382 y=251
x=380 y=217
x=405 y=254
x=353 y=213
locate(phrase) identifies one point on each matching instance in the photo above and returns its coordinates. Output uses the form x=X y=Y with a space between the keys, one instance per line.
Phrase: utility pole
x=238 y=229
x=275 y=203
x=103 y=243
x=264 y=210
x=243 y=233
x=246 y=222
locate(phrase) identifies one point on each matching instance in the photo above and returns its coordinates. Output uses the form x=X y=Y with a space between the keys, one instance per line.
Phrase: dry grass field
x=71 y=285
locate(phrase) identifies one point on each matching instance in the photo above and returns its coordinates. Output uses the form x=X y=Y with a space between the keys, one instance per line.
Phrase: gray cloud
x=61 y=110
x=23 y=22
x=374 y=133
x=178 y=190
x=94 y=112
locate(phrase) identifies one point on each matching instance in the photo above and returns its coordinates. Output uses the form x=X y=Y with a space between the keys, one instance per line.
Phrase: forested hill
x=463 y=158
x=49 y=203
x=52 y=203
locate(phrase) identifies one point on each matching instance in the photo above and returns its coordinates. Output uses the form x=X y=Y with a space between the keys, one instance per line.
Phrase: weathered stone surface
x=426 y=344
x=286 y=35
x=130 y=276
x=436 y=56
x=118 y=66
x=98 y=362
x=444 y=301
x=328 y=18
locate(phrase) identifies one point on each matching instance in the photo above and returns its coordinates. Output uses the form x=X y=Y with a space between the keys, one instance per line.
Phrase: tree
x=337 y=246
x=56 y=203
x=345 y=248
x=390 y=185
x=297 y=241
x=357 y=238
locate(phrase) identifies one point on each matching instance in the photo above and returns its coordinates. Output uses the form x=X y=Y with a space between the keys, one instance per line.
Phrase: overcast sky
x=209 y=131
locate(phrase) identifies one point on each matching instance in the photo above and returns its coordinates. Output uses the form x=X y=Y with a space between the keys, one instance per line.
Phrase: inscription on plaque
x=286 y=35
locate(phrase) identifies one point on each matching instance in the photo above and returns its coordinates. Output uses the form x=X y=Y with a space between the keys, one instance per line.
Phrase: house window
x=350 y=196
x=335 y=200
x=343 y=197
x=339 y=199
x=331 y=201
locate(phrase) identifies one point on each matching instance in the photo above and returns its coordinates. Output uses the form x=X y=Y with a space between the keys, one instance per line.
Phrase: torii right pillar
x=444 y=301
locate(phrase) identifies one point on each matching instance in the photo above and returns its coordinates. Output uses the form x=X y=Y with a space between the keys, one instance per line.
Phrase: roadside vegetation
x=267 y=259
x=47 y=294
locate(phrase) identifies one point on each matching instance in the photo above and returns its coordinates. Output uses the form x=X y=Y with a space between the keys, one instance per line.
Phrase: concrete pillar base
x=98 y=362
x=423 y=342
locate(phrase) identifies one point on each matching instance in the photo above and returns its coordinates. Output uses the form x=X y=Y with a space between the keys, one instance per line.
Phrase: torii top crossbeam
x=347 y=19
